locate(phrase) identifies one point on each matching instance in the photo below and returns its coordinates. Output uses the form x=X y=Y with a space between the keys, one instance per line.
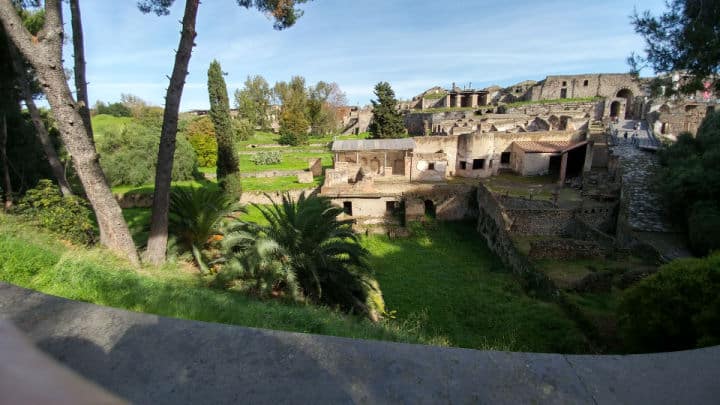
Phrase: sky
x=412 y=44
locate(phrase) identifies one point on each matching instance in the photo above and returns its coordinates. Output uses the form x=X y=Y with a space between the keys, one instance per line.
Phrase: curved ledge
x=150 y=359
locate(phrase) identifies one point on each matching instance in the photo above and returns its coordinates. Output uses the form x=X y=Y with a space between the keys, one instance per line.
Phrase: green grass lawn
x=103 y=124
x=33 y=259
x=291 y=160
x=448 y=282
x=284 y=183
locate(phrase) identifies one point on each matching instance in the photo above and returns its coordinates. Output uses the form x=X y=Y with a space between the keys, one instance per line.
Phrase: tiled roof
x=374 y=144
x=546 y=146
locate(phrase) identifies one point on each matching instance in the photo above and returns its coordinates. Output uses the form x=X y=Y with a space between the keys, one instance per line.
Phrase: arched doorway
x=628 y=96
x=429 y=209
x=614 y=108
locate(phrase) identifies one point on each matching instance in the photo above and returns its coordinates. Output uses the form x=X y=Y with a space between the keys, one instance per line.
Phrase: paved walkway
x=148 y=359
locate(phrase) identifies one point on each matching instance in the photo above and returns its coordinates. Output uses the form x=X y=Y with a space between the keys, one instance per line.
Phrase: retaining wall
x=148 y=359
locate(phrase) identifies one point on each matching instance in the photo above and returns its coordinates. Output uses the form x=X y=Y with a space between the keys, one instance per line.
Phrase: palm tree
x=195 y=215
x=305 y=238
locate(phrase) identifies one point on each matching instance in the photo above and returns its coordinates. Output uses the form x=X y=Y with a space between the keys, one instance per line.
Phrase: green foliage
x=227 y=161
x=195 y=215
x=704 y=227
x=677 y=308
x=69 y=217
x=271 y=157
x=201 y=134
x=322 y=108
x=684 y=38
x=306 y=238
x=294 y=125
x=254 y=101
x=232 y=185
x=128 y=157
x=293 y=128
x=31 y=259
x=690 y=175
x=457 y=290
x=242 y=129
x=114 y=109
x=387 y=121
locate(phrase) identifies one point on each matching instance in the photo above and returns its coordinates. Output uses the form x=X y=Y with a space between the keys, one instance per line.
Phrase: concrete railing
x=150 y=359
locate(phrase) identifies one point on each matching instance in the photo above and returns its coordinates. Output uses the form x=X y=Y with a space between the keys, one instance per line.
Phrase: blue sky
x=413 y=44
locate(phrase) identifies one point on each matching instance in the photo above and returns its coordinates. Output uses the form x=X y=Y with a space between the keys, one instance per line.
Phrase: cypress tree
x=228 y=171
x=387 y=122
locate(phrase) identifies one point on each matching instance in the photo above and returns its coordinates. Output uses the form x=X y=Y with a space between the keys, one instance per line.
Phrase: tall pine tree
x=228 y=170
x=387 y=122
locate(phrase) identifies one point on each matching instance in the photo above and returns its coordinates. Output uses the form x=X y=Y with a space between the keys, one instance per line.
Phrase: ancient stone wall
x=543 y=222
x=565 y=249
x=492 y=226
x=676 y=117
x=450 y=202
x=588 y=85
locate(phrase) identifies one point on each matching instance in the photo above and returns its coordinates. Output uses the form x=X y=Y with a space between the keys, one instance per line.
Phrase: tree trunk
x=45 y=54
x=23 y=82
x=79 y=56
x=7 y=185
x=157 y=242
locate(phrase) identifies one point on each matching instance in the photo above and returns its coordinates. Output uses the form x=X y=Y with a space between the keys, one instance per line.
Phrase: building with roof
x=375 y=180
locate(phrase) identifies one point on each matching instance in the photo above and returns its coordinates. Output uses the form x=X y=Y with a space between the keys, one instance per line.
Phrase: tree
x=228 y=167
x=253 y=101
x=293 y=122
x=322 y=106
x=27 y=88
x=285 y=15
x=690 y=182
x=44 y=53
x=684 y=38
x=387 y=121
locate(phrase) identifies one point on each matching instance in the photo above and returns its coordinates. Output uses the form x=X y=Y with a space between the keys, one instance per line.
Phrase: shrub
x=201 y=134
x=114 y=109
x=69 y=217
x=194 y=216
x=242 y=129
x=272 y=157
x=704 y=227
x=305 y=238
x=128 y=157
x=232 y=185
x=677 y=308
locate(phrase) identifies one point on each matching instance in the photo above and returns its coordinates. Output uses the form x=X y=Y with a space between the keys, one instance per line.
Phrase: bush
x=242 y=129
x=129 y=156
x=201 y=134
x=704 y=227
x=677 y=308
x=69 y=217
x=272 y=157
x=114 y=109
x=232 y=185
x=195 y=215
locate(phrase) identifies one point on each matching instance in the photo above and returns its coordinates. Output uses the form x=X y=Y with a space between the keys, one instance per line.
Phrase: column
x=474 y=100
x=458 y=100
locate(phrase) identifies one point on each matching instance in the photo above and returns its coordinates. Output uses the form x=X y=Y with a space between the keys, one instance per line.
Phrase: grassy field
x=35 y=260
x=454 y=290
x=284 y=183
x=446 y=280
x=103 y=124
x=291 y=160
